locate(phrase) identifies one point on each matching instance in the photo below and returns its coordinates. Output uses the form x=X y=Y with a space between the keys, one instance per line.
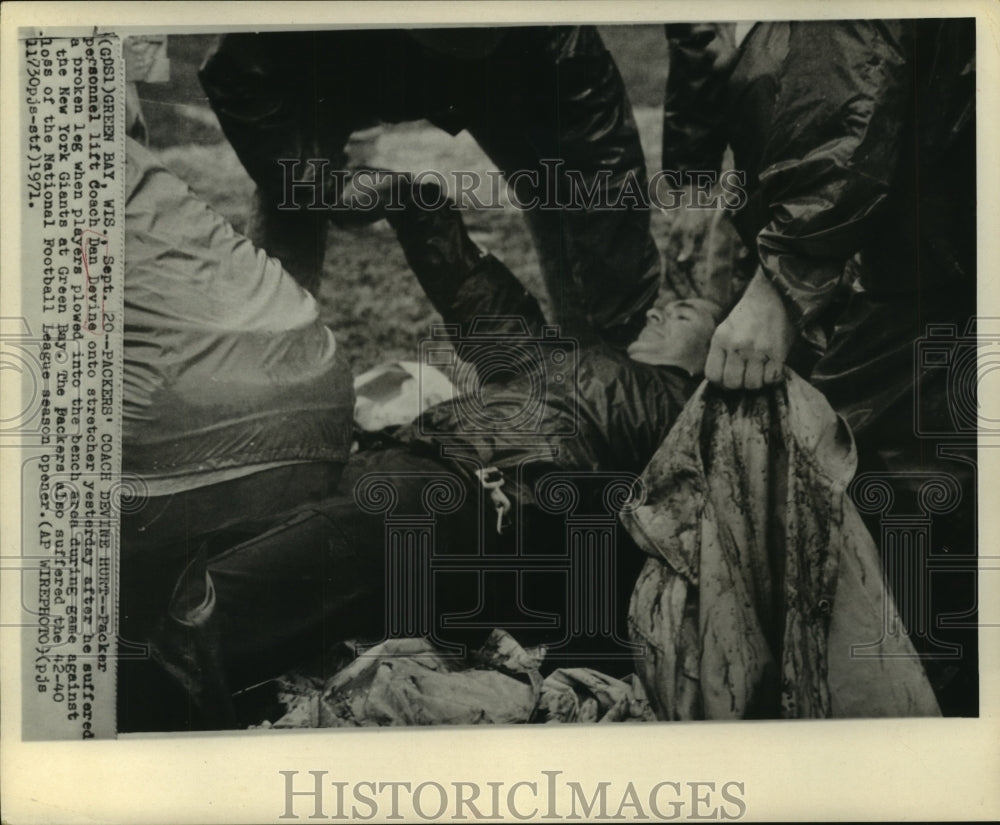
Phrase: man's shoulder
x=613 y=373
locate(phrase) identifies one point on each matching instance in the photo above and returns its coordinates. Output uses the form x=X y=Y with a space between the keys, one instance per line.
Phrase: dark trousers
x=548 y=98
x=405 y=547
x=902 y=372
x=228 y=585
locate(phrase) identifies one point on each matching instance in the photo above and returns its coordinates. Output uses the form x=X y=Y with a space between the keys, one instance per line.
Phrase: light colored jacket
x=228 y=365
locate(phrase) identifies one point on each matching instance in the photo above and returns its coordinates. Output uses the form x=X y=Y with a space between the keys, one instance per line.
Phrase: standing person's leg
x=276 y=99
x=561 y=100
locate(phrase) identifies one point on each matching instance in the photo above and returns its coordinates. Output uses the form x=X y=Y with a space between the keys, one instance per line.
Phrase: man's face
x=678 y=334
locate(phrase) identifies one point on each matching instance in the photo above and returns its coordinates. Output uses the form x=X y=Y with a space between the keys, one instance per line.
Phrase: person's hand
x=688 y=228
x=749 y=348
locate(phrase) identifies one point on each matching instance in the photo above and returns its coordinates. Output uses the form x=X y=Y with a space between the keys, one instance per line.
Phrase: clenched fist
x=749 y=348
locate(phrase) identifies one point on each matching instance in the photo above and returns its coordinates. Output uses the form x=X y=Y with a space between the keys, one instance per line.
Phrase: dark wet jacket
x=858 y=141
x=540 y=403
x=525 y=394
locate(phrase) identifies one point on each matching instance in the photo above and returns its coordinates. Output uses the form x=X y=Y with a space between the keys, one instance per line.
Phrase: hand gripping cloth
x=763 y=595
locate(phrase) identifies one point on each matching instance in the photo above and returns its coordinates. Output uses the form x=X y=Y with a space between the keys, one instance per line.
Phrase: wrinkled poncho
x=763 y=596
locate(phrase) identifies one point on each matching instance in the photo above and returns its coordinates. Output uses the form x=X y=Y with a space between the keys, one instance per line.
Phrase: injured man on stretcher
x=262 y=541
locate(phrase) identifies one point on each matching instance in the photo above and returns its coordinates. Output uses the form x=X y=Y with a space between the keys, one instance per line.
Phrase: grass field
x=368 y=295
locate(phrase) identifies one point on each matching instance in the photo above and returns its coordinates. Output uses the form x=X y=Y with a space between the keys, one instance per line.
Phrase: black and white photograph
x=590 y=477
x=511 y=378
